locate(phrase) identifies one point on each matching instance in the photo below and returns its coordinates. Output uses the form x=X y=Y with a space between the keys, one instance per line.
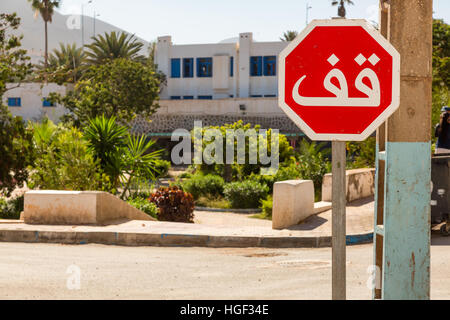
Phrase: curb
x=173 y=240
x=228 y=210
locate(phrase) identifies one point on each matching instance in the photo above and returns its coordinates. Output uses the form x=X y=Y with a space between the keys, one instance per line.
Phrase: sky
x=210 y=21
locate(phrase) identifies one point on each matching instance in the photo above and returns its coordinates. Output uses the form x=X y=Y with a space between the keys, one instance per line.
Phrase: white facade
x=231 y=69
x=27 y=102
x=239 y=82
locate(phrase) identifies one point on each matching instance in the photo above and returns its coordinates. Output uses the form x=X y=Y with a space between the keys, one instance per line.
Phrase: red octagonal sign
x=339 y=80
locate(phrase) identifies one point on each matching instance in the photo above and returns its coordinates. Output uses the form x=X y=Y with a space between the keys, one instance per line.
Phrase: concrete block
x=360 y=183
x=293 y=202
x=77 y=207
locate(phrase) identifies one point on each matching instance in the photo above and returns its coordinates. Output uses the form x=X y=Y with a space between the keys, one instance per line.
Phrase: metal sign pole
x=338 y=220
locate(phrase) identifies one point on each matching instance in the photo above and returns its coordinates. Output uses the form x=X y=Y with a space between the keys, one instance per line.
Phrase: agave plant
x=139 y=161
x=112 y=46
x=123 y=157
x=106 y=139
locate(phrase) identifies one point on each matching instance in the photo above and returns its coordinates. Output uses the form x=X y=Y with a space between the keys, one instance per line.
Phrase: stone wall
x=169 y=123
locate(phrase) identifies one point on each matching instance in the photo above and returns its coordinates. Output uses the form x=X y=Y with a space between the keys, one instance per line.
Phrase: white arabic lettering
x=341 y=98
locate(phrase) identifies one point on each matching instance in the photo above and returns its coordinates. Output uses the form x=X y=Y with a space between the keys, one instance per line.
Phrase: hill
x=32 y=29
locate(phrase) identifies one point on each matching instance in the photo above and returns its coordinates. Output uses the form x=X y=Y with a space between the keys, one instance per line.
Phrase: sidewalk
x=211 y=229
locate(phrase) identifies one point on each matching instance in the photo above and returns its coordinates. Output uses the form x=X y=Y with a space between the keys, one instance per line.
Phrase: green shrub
x=313 y=164
x=246 y=194
x=213 y=202
x=11 y=209
x=203 y=185
x=144 y=205
x=162 y=168
x=174 y=205
x=63 y=161
x=290 y=172
x=266 y=207
x=361 y=154
x=185 y=175
x=236 y=171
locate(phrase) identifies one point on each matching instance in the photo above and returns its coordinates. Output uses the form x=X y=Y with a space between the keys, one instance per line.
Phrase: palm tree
x=341 y=7
x=289 y=35
x=46 y=9
x=66 y=63
x=112 y=46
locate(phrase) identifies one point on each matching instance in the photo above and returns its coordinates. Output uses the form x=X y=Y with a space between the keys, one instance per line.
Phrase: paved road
x=39 y=271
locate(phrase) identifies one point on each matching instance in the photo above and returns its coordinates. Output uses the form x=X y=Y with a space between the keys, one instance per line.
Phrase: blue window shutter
x=231 y=66
x=175 y=68
x=270 y=65
x=198 y=67
x=46 y=103
x=204 y=67
x=188 y=67
x=256 y=66
x=14 y=102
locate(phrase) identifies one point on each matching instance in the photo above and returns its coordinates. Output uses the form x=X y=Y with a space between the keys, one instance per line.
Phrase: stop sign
x=339 y=80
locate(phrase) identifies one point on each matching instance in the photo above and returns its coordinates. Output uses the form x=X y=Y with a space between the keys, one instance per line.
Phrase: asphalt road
x=51 y=271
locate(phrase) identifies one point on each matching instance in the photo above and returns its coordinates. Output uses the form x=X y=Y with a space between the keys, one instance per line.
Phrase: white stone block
x=360 y=183
x=77 y=207
x=293 y=202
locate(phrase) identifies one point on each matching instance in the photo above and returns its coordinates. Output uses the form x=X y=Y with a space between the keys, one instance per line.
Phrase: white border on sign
x=395 y=81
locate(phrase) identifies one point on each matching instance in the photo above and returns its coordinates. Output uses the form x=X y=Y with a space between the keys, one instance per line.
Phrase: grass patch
x=213 y=202
x=261 y=215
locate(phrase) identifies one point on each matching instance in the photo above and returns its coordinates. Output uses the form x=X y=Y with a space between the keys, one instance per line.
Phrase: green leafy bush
x=63 y=161
x=266 y=207
x=203 y=185
x=246 y=194
x=236 y=171
x=118 y=87
x=313 y=163
x=213 y=202
x=290 y=172
x=16 y=149
x=174 y=205
x=144 y=205
x=361 y=154
x=162 y=168
x=11 y=208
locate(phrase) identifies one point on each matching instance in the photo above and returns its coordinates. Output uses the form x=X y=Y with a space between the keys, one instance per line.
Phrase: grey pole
x=307 y=11
x=82 y=27
x=82 y=23
x=338 y=237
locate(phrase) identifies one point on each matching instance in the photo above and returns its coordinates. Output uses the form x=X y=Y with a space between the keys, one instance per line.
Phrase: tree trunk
x=46 y=47
x=228 y=173
x=46 y=40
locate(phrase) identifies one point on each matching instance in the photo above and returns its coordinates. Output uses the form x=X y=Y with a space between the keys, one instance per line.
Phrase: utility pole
x=402 y=217
x=82 y=23
x=95 y=17
x=307 y=11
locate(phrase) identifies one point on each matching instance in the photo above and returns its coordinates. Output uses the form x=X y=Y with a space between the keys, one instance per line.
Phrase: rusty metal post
x=380 y=168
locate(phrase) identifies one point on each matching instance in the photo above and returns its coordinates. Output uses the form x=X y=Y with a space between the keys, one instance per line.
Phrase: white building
x=215 y=83
x=219 y=83
x=241 y=69
x=29 y=101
